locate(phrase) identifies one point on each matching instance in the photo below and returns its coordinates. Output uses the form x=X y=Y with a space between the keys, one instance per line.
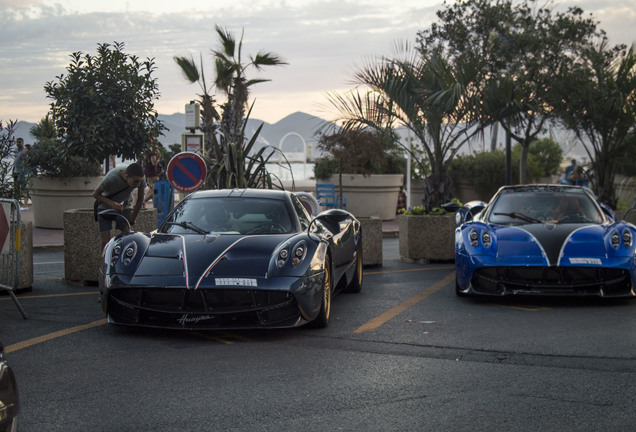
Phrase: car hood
x=196 y=256
x=555 y=241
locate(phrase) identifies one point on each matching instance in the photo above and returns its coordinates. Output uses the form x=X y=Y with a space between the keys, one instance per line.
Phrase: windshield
x=225 y=215
x=524 y=207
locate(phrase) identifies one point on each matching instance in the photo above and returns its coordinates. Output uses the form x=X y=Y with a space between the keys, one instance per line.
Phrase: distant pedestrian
x=578 y=177
x=151 y=171
x=115 y=192
x=29 y=173
x=570 y=168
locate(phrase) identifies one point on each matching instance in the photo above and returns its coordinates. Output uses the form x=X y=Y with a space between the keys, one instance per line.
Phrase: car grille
x=606 y=282
x=202 y=308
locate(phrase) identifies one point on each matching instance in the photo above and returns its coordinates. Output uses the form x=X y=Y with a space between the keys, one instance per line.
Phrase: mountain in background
x=289 y=130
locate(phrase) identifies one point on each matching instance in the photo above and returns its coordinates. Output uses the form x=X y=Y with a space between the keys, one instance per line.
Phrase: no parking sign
x=186 y=171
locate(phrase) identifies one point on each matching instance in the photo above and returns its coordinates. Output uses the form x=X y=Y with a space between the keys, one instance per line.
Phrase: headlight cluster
x=297 y=253
x=616 y=238
x=127 y=253
x=486 y=238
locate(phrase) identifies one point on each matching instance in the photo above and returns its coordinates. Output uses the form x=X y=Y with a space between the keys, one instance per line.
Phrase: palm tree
x=429 y=96
x=231 y=79
x=210 y=115
x=601 y=107
x=230 y=161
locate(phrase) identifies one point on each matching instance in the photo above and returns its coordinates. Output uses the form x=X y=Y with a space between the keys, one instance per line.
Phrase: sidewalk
x=49 y=238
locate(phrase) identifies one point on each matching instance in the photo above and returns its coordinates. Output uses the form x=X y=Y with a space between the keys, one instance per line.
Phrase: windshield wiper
x=519 y=216
x=190 y=226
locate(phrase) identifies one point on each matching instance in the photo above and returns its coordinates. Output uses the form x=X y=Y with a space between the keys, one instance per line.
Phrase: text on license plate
x=235 y=282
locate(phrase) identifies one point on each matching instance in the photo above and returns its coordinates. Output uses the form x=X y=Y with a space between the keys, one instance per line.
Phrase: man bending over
x=115 y=192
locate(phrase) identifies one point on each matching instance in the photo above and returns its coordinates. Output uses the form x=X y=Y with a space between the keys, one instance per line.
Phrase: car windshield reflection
x=523 y=207
x=224 y=215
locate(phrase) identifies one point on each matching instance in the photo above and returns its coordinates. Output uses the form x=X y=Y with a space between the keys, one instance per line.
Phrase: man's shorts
x=106 y=221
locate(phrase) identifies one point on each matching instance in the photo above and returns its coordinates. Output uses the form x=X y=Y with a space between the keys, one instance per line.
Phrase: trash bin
x=163 y=199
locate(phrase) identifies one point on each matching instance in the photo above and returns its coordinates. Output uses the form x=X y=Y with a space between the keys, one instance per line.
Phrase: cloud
x=321 y=41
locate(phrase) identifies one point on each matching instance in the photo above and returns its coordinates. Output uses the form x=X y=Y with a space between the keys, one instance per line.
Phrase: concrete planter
x=427 y=238
x=52 y=196
x=372 y=196
x=371 y=241
x=82 y=246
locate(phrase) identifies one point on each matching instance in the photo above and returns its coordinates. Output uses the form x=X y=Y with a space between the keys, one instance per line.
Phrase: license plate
x=249 y=282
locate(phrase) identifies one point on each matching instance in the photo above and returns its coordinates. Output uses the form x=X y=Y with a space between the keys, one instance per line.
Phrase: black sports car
x=231 y=259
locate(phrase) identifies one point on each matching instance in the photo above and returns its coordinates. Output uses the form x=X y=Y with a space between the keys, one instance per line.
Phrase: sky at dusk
x=323 y=42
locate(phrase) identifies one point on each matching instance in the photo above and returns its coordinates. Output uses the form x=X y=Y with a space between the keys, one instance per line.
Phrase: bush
x=47 y=157
x=6 y=164
x=359 y=152
x=487 y=171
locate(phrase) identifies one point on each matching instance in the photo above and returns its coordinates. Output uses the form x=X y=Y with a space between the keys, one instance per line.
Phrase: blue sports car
x=543 y=240
x=231 y=259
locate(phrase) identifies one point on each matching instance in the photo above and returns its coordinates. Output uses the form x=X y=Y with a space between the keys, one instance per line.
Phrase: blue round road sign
x=186 y=171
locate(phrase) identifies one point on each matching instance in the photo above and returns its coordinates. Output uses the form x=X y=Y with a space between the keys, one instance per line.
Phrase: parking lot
x=404 y=354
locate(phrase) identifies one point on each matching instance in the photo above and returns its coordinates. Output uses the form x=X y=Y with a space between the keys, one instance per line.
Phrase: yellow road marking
x=52 y=295
x=45 y=338
x=391 y=313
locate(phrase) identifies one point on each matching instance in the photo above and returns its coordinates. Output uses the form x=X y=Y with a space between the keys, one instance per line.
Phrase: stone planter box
x=374 y=195
x=427 y=238
x=371 y=241
x=52 y=196
x=82 y=245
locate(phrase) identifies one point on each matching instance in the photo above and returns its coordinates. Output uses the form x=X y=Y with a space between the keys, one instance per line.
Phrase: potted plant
x=101 y=107
x=366 y=166
x=62 y=182
x=427 y=236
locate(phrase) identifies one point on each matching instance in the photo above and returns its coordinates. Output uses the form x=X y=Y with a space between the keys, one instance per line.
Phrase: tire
x=458 y=292
x=322 y=320
x=355 y=286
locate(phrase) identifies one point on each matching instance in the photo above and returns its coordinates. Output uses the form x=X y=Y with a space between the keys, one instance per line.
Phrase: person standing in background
x=19 y=179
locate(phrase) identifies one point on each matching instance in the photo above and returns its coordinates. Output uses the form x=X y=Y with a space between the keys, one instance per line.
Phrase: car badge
x=550 y=225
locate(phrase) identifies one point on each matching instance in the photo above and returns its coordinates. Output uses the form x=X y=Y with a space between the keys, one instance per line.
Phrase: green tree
x=430 y=95
x=231 y=78
x=548 y=155
x=48 y=158
x=601 y=110
x=6 y=161
x=362 y=152
x=104 y=104
x=522 y=52
x=230 y=159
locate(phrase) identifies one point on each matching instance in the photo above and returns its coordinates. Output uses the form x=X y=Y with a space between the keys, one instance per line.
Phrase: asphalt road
x=404 y=355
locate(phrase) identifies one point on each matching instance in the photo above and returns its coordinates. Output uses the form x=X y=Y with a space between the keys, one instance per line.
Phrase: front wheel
x=458 y=292
x=322 y=320
x=355 y=286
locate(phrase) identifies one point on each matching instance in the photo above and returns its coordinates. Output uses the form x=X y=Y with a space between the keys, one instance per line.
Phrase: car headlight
x=615 y=239
x=627 y=238
x=474 y=237
x=300 y=252
x=486 y=239
x=115 y=254
x=283 y=254
x=130 y=251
